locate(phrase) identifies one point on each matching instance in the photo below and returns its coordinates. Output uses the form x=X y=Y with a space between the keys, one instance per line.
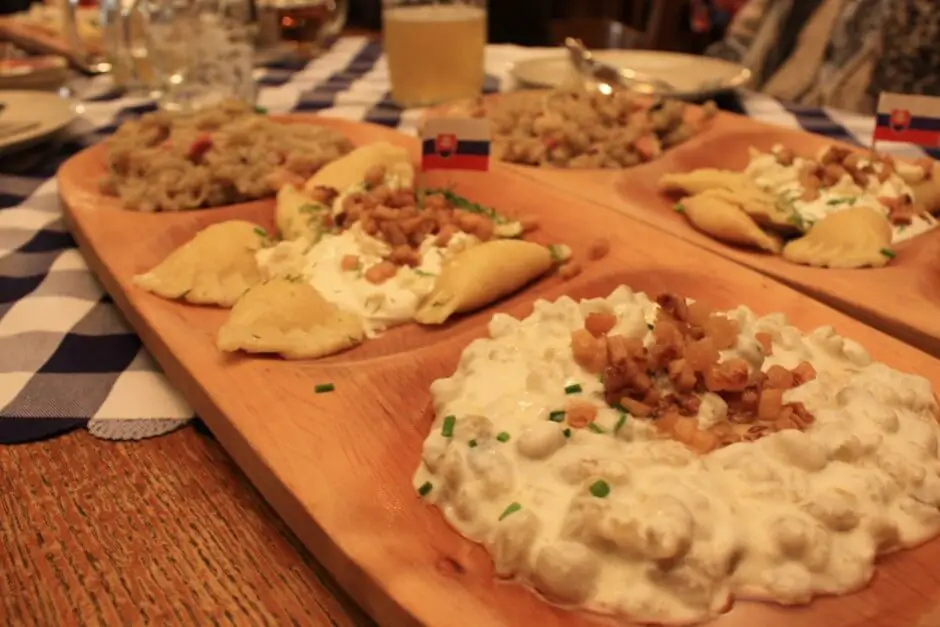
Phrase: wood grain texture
x=338 y=466
x=160 y=532
x=900 y=298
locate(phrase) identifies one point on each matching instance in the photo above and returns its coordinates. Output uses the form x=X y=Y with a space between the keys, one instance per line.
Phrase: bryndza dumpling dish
x=657 y=460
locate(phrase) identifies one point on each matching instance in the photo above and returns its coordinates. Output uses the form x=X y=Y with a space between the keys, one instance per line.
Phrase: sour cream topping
x=620 y=521
x=784 y=181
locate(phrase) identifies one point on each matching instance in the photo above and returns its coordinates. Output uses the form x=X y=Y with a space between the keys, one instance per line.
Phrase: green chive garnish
x=512 y=509
x=600 y=489
x=260 y=232
x=472 y=443
x=557 y=415
x=447 y=430
x=567 y=432
x=678 y=207
x=620 y=422
x=322 y=388
x=261 y=110
x=887 y=252
x=596 y=428
x=503 y=436
x=574 y=388
x=425 y=488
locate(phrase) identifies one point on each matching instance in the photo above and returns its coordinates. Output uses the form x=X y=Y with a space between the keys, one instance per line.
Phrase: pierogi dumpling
x=853 y=238
x=701 y=180
x=216 y=267
x=760 y=205
x=482 y=274
x=289 y=318
x=298 y=216
x=351 y=169
x=713 y=214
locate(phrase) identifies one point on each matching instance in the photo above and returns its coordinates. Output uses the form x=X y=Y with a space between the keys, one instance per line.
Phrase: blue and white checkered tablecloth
x=67 y=357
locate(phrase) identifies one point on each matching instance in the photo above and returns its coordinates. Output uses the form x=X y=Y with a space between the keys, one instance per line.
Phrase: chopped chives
x=567 y=432
x=620 y=422
x=600 y=489
x=512 y=509
x=322 y=388
x=678 y=207
x=574 y=388
x=260 y=232
x=596 y=428
x=503 y=436
x=425 y=488
x=261 y=110
x=472 y=443
x=447 y=430
x=557 y=416
x=887 y=252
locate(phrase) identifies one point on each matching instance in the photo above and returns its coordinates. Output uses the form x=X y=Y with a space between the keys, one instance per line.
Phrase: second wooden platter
x=901 y=298
x=338 y=466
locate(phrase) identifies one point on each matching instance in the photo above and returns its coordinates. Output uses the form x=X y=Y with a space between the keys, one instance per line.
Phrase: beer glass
x=434 y=49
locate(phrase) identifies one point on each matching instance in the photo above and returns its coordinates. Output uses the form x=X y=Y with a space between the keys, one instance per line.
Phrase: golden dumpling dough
x=762 y=206
x=481 y=274
x=299 y=216
x=289 y=318
x=214 y=268
x=927 y=193
x=711 y=213
x=852 y=238
x=351 y=169
x=701 y=180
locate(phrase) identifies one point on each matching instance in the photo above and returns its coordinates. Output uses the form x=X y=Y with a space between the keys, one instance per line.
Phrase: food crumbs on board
x=447 y=430
x=887 y=252
x=600 y=489
x=425 y=488
x=503 y=437
x=512 y=509
x=557 y=415
x=574 y=388
x=322 y=388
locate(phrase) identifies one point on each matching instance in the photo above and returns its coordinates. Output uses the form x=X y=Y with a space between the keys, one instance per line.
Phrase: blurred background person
x=836 y=53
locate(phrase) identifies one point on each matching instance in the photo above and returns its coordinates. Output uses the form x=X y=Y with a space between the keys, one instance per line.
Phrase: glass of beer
x=434 y=49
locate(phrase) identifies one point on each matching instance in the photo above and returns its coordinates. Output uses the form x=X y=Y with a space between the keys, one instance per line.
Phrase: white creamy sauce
x=783 y=181
x=790 y=516
x=380 y=305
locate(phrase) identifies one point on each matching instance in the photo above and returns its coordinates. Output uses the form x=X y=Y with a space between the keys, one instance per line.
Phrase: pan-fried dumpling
x=852 y=238
x=701 y=180
x=712 y=214
x=289 y=318
x=299 y=216
x=927 y=192
x=762 y=206
x=482 y=274
x=214 y=268
x=351 y=169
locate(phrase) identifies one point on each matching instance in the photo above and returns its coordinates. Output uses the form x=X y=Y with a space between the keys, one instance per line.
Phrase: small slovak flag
x=455 y=144
x=908 y=119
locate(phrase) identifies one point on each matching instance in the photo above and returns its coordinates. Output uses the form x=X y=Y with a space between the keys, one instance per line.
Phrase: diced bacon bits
x=580 y=414
x=598 y=249
x=349 y=263
x=381 y=272
x=666 y=381
x=199 y=147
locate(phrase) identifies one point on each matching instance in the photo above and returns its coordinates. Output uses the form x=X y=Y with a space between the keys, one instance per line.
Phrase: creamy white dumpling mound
x=618 y=520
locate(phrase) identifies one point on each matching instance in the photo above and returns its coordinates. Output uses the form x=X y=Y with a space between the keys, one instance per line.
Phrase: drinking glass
x=201 y=51
x=301 y=28
x=434 y=49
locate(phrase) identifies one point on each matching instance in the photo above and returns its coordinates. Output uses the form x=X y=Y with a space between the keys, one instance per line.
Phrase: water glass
x=301 y=28
x=434 y=49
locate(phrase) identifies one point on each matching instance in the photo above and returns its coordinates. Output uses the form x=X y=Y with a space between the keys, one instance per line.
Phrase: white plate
x=51 y=111
x=694 y=77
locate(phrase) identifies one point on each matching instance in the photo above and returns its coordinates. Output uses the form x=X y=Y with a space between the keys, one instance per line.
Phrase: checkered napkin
x=68 y=358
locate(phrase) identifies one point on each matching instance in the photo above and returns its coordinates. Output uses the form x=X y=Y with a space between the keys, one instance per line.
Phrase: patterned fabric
x=68 y=358
x=867 y=46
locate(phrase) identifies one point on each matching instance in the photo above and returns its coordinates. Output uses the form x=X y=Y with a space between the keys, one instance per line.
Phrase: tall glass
x=301 y=27
x=201 y=51
x=434 y=49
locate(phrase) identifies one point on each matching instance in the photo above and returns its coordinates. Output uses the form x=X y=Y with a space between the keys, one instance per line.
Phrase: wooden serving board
x=902 y=298
x=337 y=467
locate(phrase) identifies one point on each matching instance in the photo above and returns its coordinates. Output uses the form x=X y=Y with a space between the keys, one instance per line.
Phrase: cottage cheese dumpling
x=754 y=461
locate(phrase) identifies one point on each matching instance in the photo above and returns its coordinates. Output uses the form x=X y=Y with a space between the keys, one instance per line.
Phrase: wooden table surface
x=160 y=532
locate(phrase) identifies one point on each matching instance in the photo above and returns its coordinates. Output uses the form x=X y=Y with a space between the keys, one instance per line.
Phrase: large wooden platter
x=338 y=466
x=902 y=298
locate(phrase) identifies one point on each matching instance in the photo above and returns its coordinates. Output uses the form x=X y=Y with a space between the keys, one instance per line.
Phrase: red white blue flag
x=908 y=119
x=455 y=144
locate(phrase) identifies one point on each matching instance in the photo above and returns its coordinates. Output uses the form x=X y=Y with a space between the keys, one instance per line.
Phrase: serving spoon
x=604 y=73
